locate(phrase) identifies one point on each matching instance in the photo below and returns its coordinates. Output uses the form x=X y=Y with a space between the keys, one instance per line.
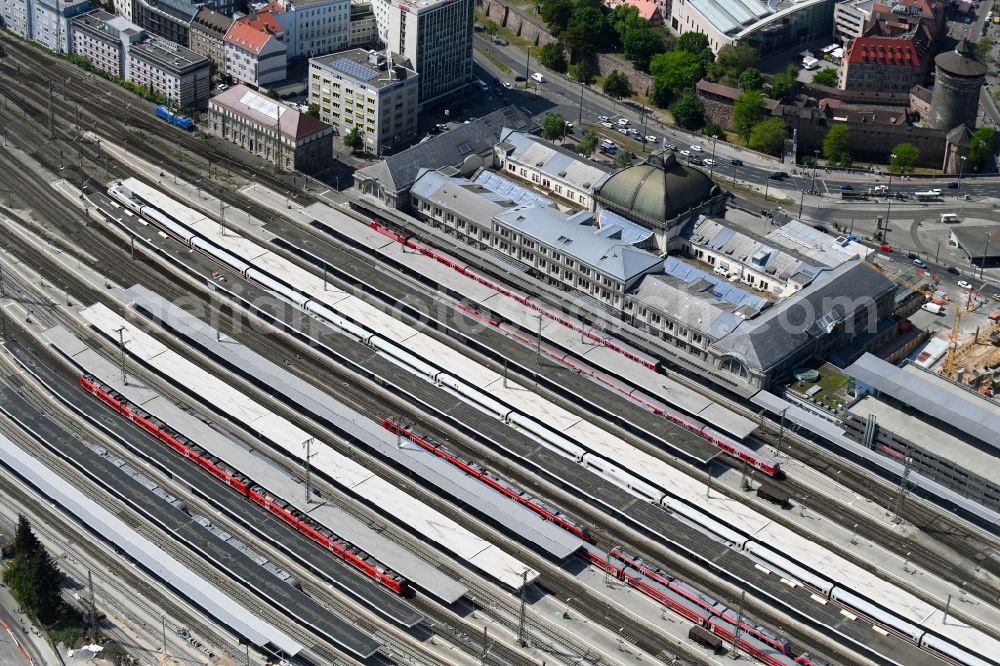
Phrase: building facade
x=175 y=71
x=362 y=89
x=436 y=37
x=270 y=130
x=169 y=19
x=556 y=170
x=255 y=53
x=207 y=35
x=766 y=27
x=314 y=27
x=105 y=38
x=958 y=79
x=363 y=32
x=16 y=15
x=44 y=21
x=890 y=64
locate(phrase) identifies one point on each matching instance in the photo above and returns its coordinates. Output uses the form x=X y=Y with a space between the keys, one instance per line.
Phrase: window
x=733 y=366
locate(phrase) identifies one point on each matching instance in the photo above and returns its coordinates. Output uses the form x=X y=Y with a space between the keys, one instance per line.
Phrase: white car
x=651 y=138
x=623 y=131
x=508 y=85
x=964 y=285
x=696 y=149
x=607 y=124
x=708 y=161
x=623 y=122
x=633 y=131
x=686 y=153
x=602 y=119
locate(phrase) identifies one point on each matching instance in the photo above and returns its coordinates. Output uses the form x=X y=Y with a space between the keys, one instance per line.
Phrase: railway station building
x=270 y=130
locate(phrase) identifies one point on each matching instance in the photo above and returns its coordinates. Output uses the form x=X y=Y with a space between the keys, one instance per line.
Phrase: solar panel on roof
x=355 y=69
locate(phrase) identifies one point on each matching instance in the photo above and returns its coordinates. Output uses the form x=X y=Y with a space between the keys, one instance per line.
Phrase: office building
x=255 y=51
x=175 y=71
x=207 y=35
x=363 y=89
x=313 y=27
x=436 y=37
x=44 y=21
x=104 y=38
x=270 y=129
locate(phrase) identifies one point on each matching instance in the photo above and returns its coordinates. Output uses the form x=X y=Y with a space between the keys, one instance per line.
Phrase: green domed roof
x=656 y=191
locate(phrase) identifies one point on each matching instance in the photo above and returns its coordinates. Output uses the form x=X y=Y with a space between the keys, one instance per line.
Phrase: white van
x=933 y=308
x=950 y=218
x=537 y=76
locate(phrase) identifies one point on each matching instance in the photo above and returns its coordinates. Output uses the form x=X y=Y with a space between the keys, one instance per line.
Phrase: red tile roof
x=252 y=32
x=883 y=51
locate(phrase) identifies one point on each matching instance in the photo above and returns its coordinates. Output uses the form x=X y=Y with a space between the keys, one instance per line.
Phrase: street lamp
x=715 y=142
x=812 y=185
x=888 y=192
x=961 y=167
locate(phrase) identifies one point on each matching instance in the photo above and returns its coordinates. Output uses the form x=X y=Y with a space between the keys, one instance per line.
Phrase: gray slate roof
x=398 y=172
x=575 y=236
x=786 y=328
x=462 y=197
x=693 y=304
x=556 y=161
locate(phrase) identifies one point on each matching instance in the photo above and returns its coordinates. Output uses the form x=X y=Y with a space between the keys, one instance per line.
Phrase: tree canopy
x=731 y=60
x=751 y=79
x=584 y=72
x=688 y=111
x=836 y=146
x=616 y=85
x=786 y=84
x=313 y=110
x=553 y=126
x=354 y=139
x=33 y=576
x=825 y=77
x=768 y=136
x=674 y=71
x=553 y=56
x=587 y=145
x=556 y=14
x=906 y=156
x=696 y=43
x=982 y=146
x=748 y=110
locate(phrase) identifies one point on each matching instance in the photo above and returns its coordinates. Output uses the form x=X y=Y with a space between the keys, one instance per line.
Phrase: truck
x=950 y=218
x=880 y=190
x=537 y=76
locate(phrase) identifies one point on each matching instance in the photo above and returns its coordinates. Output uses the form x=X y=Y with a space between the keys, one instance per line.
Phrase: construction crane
x=897 y=279
x=949 y=362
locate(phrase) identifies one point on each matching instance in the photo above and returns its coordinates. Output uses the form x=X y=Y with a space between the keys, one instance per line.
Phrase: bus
x=929 y=195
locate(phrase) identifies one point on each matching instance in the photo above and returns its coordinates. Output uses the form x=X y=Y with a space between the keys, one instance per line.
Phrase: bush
x=825 y=77
x=713 y=129
x=553 y=56
x=768 y=136
x=688 y=111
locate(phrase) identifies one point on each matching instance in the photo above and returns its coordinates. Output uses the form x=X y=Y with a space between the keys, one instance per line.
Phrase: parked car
x=633 y=131
x=602 y=119
x=686 y=153
x=607 y=125
x=508 y=85
x=821 y=227
x=996 y=297
x=696 y=149
x=920 y=263
x=736 y=162
x=910 y=255
x=964 y=284
x=650 y=138
x=623 y=131
x=622 y=122
x=222 y=87
x=885 y=248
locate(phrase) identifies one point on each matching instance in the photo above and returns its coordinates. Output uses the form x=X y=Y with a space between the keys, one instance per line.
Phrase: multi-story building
x=554 y=169
x=175 y=71
x=362 y=89
x=852 y=19
x=271 y=130
x=50 y=22
x=105 y=38
x=16 y=15
x=363 y=30
x=255 y=53
x=436 y=36
x=314 y=27
x=169 y=19
x=44 y=21
x=888 y=64
x=124 y=8
x=207 y=35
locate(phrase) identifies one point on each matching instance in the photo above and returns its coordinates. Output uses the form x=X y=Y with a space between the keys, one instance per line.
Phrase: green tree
x=33 y=577
x=616 y=86
x=906 y=158
x=750 y=79
x=982 y=146
x=676 y=70
x=640 y=44
x=768 y=136
x=748 y=110
x=587 y=145
x=25 y=541
x=313 y=110
x=836 y=146
x=585 y=72
x=624 y=158
x=786 y=84
x=696 y=43
x=556 y=14
x=984 y=47
x=731 y=60
x=553 y=126
x=688 y=111
x=587 y=30
x=273 y=94
x=354 y=139
x=624 y=17
x=825 y=77
x=553 y=56
x=713 y=129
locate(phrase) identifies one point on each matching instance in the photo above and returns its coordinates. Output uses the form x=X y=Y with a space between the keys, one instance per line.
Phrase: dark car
x=952 y=270
x=953 y=185
x=736 y=162
x=694 y=160
x=847 y=187
x=911 y=256
x=820 y=227
x=778 y=175
x=519 y=78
